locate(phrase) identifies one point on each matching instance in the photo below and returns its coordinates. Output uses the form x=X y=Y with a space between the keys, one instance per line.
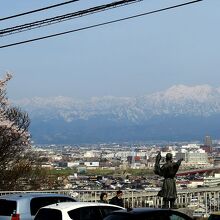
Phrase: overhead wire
x=100 y=24
x=61 y=18
x=37 y=10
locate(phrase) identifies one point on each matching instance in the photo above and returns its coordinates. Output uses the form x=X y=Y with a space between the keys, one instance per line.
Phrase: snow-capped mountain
x=122 y=118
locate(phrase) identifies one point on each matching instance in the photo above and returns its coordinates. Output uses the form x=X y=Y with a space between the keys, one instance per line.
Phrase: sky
x=130 y=58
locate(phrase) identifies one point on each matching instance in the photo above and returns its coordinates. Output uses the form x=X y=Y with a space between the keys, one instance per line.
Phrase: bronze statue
x=168 y=171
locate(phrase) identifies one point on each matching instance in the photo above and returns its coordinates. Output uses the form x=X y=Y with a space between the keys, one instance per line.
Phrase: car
x=214 y=216
x=24 y=206
x=147 y=214
x=76 y=211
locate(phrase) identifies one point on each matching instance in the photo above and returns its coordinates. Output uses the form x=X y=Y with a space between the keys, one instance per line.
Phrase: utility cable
x=61 y=18
x=37 y=10
x=99 y=24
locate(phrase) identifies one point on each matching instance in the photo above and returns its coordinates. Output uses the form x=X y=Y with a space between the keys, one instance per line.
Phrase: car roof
x=67 y=206
x=31 y=195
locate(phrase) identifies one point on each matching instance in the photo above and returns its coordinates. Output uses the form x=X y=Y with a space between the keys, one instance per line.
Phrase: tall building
x=208 y=141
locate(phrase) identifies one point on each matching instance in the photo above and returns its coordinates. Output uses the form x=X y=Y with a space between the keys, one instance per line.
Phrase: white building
x=197 y=157
x=191 y=146
x=92 y=153
x=73 y=164
x=123 y=154
x=193 y=157
x=212 y=181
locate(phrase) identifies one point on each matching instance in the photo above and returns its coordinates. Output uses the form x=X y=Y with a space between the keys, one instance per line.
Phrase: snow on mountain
x=201 y=100
x=196 y=93
x=181 y=99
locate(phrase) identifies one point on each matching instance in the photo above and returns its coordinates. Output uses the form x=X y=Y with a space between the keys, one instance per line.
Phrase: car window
x=39 y=202
x=7 y=207
x=85 y=213
x=47 y=214
x=106 y=210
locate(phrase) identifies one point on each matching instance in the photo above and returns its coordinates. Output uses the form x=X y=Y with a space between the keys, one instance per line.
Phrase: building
x=208 y=141
x=212 y=181
x=92 y=164
x=193 y=157
x=217 y=161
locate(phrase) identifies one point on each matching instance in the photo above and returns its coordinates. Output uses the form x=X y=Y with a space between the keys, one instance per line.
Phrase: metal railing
x=206 y=198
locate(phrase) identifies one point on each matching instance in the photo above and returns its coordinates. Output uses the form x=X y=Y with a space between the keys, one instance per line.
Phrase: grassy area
x=62 y=172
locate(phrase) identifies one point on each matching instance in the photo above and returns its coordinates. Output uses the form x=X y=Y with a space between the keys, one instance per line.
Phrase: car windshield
x=85 y=213
x=7 y=207
x=37 y=203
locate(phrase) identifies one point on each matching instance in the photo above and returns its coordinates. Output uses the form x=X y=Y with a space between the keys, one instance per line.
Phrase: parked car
x=24 y=206
x=214 y=216
x=147 y=214
x=76 y=211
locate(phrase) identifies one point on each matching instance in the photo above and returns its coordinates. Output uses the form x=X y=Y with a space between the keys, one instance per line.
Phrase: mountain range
x=176 y=114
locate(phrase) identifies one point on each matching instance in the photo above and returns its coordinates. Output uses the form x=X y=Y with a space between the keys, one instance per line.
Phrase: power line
x=61 y=18
x=37 y=10
x=100 y=24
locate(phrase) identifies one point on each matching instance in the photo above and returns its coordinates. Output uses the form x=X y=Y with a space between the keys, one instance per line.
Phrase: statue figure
x=168 y=171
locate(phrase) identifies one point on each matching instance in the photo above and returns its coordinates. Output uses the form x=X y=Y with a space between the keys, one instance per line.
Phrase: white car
x=76 y=211
x=24 y=206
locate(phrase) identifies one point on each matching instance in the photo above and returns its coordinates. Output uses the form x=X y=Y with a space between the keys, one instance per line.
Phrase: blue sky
x=130 y=58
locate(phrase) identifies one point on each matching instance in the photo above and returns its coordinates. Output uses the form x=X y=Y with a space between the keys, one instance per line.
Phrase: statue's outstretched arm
x=157 y=169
